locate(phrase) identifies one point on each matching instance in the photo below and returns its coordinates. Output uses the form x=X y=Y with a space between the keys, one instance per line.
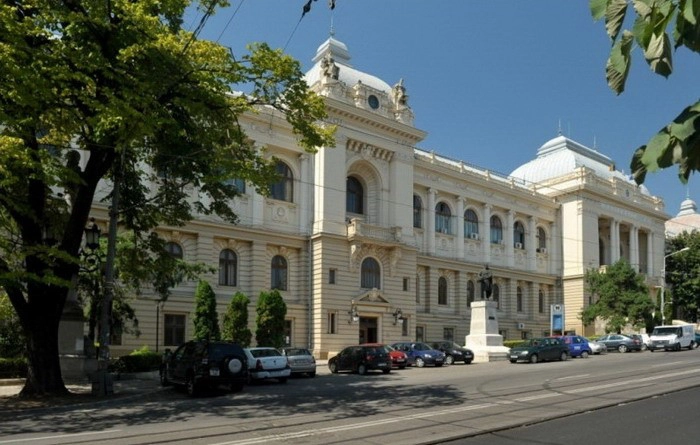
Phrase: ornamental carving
x=388 y=257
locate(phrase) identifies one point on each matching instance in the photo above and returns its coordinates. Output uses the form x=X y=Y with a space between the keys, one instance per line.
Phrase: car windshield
x=297 y=351
x=257 y=353
x=421 y=347
x=667 y=331
x=221 y=350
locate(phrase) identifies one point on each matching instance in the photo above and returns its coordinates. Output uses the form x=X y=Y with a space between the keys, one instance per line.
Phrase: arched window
x=284 y=188
x=174 y=250
x=496 y=295
x=442 y=218
x=540 y=302
x=371 y=274
x=417 y=212
x=470 y=293
x=519 y=235
x=237 y=183
x=278 y=273
x=228 y=264
x=541 y=240
x=471 y=224
x=442 y=290
x=354 y=196
x=496 y=230
x=519 y=298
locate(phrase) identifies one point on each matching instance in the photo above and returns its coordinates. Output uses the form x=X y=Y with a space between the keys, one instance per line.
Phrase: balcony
x=359 y=230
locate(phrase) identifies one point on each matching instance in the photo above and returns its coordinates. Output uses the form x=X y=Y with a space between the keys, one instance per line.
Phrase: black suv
x=201 y=364
x=453 y=352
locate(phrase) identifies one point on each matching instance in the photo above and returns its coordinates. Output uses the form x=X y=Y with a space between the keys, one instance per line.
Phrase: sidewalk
x=124 y=385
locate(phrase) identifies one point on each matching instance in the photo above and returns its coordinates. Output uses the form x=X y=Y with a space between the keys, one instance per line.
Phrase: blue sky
x=489 y=81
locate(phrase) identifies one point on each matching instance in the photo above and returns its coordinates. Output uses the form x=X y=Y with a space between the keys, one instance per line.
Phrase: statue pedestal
x=484 y=339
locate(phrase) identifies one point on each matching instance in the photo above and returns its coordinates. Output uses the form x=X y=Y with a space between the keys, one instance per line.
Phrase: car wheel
x=386 y=371
x=584 y=354
x=164 y=377
x=362 y=369
x=534 y=358
x=622 y=348
x=191 y=386
x=282 y=379
x=420 y=362
x=564 y=356
x=449 y=360
x=333 y=367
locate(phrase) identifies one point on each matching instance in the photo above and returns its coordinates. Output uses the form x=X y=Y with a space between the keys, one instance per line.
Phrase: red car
x=399 y=359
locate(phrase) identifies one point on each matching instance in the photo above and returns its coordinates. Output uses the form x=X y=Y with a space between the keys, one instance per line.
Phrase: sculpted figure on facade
x=329 y=68
x=400 y=96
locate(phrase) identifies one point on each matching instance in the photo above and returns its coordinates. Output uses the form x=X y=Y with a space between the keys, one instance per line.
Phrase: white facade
x=377 y=226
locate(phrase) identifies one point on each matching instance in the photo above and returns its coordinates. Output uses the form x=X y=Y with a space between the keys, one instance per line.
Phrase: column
x=531 y=245
x=508 y=235
x=305 y=211
x=430 y=221
x=634 y=247
x=614 y=241
x=460 y=228
x=486 y=233
x=553 y=247
x=650 y=253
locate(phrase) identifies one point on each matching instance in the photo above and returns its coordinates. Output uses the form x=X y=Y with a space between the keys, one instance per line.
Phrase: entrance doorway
x=368 y=330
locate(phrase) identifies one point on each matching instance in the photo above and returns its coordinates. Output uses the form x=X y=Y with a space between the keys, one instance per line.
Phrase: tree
x=236 y=320
x=683 y=276
x=206 y=319
x=620 y=295
x=146 y=105
x=679 y=141
x=11 y=344
x=271 y=310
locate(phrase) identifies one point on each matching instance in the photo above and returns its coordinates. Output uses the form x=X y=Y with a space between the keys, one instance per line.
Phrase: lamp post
x=663 y=283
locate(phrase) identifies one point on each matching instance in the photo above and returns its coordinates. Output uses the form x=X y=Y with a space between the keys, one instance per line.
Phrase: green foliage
x=11 y=368
x=620 y=296
x=140 y=360
x=12 y=339
x=683 y=276
x=236 y=320
x=127 y=85
x=659 y=26
x=271 y=310
x=206 y=319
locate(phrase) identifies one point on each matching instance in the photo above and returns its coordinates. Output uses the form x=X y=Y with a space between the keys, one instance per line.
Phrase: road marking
x=571 y=377
x=61 y=436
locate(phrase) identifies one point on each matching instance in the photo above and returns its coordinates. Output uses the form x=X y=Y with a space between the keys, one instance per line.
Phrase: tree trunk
x=41 y=328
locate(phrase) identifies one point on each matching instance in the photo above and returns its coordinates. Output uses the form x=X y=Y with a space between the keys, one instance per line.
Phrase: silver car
x=301 y=360
x=597 y=347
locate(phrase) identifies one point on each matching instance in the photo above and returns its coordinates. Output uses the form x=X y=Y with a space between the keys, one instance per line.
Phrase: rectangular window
x=417 y=289
x=420 y=333
x=174 y=329
x=405 y=284
x=448 y=334
x=404 y=327
x=331 y=276
x=115 y=338
x=288 y=332
x=332 y=323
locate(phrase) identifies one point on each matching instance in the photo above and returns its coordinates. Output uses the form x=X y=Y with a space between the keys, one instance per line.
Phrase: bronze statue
x=486 y=280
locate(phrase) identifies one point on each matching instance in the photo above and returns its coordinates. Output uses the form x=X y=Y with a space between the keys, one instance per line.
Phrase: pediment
x=372 y=296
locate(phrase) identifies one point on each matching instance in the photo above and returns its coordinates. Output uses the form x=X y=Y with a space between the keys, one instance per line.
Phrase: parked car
x=641 y=340
x=420 y=354
x=267 y=363
x=453 y=352
x=578 y=346
x=399 y=359
x=620 y=342
x=360 y=359
x=201 y=364
x=301 y=360
x=597 y=347
x=539 y=349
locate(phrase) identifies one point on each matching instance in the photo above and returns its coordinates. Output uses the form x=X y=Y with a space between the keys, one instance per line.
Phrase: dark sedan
x=361 y=359
x=620 y=342
x=539 y=349
x=453 y=352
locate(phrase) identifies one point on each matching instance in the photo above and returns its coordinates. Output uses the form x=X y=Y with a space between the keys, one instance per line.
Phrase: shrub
x=13 y=368
x=140 y=360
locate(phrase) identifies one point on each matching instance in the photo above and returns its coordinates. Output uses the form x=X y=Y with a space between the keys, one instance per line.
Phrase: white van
x=673 y=337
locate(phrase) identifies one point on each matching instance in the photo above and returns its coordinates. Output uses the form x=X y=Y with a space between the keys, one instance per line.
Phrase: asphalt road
x=411 y=406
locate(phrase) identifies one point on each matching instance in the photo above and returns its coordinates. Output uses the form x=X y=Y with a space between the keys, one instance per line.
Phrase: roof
x=687 y=219
x=561 y=156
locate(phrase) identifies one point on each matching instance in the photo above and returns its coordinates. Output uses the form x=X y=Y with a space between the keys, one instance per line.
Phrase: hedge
x=11 y=368
x=141 y=360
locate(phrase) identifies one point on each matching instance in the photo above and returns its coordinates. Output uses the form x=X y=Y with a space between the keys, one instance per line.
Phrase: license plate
x=381 y=364
x=513 y=356
x=214 y=372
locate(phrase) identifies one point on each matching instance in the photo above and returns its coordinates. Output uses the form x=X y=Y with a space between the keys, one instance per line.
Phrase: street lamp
x=663 y=283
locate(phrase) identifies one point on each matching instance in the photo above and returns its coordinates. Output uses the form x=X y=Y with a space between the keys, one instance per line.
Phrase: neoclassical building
x=374 y=239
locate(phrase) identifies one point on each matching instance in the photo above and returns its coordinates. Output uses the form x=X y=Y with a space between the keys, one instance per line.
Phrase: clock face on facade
x=373 y=101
